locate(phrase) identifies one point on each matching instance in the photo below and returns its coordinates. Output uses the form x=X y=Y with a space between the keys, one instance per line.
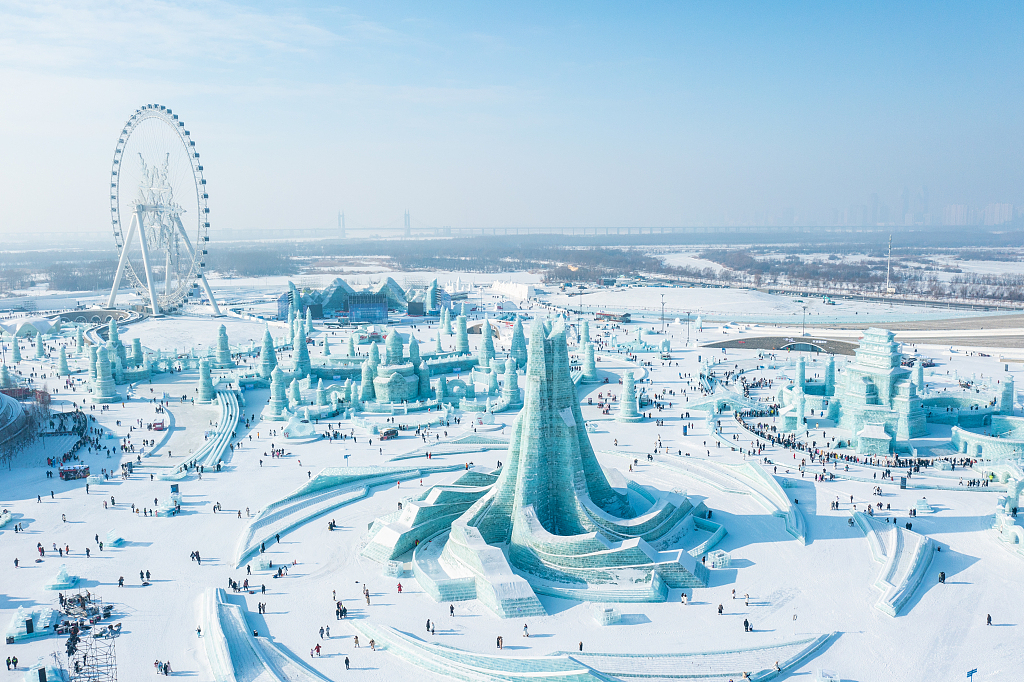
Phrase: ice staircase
x=235 y=654
x=713 y=666
x=328 y=490
x=904 y=555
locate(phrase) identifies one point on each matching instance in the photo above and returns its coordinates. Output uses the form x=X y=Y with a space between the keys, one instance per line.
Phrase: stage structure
x=159 y=212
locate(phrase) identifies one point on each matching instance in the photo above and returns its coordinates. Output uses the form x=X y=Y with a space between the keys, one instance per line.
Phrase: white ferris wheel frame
x=136 y=224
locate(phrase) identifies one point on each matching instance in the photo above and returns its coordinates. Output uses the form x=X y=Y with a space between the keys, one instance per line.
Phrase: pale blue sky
x=518 y=114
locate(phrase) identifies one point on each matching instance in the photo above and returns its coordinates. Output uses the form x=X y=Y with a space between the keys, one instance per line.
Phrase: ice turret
x=374 y=355
x=103 y=390
x=366 y=392
x=223 y=357
x=137 y=358
x=327 y=347
x=5 y=377
x=93 y=358
x=446 y=321
x=510 y=389
x=294 y=394
x=40 y=351
x=309 y=322
x=518 y=347
x=1006 y=394
x=393 y=348
x=919 y=377
x=62 y=363
x=79 y=341
x=278 y=399
x=205 y=382
x=321 y=394
x=112 y=337
x=627 y=402
x=424 y=375
x=15 y=351
x=351 y=349
x=589 y=367
x=584 y=332
x=486 y=351
x=414 y=351
x=268 y=358
x=438 y=348
x=801 y=372
x=302 y=364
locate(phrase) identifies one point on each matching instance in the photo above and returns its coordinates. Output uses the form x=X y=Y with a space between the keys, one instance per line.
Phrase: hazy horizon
x=546 y=115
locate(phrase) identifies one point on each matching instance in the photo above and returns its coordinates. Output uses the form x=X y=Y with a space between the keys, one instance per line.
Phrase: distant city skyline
x=565 y=115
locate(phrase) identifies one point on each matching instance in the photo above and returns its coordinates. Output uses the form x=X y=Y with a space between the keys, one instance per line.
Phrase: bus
x=613 y=317
x=388 y=434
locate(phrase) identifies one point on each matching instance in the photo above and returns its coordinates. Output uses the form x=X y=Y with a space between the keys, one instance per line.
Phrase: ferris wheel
x=158 y=211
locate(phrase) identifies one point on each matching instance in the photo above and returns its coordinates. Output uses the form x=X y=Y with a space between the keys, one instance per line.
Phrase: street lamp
x=663 y=313
x=803 y=322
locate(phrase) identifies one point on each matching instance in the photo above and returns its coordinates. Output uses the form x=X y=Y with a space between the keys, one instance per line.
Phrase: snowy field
x=748 y=305
x=795 y=590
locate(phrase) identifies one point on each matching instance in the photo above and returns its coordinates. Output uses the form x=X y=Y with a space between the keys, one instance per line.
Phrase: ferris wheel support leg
x=121 y=262
x=209 y=294
x=202 y=275
x=145 y=263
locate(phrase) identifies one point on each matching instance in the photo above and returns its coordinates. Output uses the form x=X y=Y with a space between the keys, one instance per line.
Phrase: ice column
x=461 y=337
x=830 y=376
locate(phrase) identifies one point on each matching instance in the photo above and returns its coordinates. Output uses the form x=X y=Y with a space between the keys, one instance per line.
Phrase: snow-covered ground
x=795 y=590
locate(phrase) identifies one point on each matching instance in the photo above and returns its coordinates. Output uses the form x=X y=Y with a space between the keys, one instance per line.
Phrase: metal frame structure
x=145 y=214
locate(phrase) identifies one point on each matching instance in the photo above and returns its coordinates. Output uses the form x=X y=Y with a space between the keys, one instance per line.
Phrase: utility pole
x=803 y=323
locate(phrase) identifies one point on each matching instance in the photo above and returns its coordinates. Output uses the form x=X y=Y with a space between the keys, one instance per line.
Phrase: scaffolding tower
x=93 y=658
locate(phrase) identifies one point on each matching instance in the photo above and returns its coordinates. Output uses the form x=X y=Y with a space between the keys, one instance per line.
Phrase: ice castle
x=875 y=398
x=548 y=521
